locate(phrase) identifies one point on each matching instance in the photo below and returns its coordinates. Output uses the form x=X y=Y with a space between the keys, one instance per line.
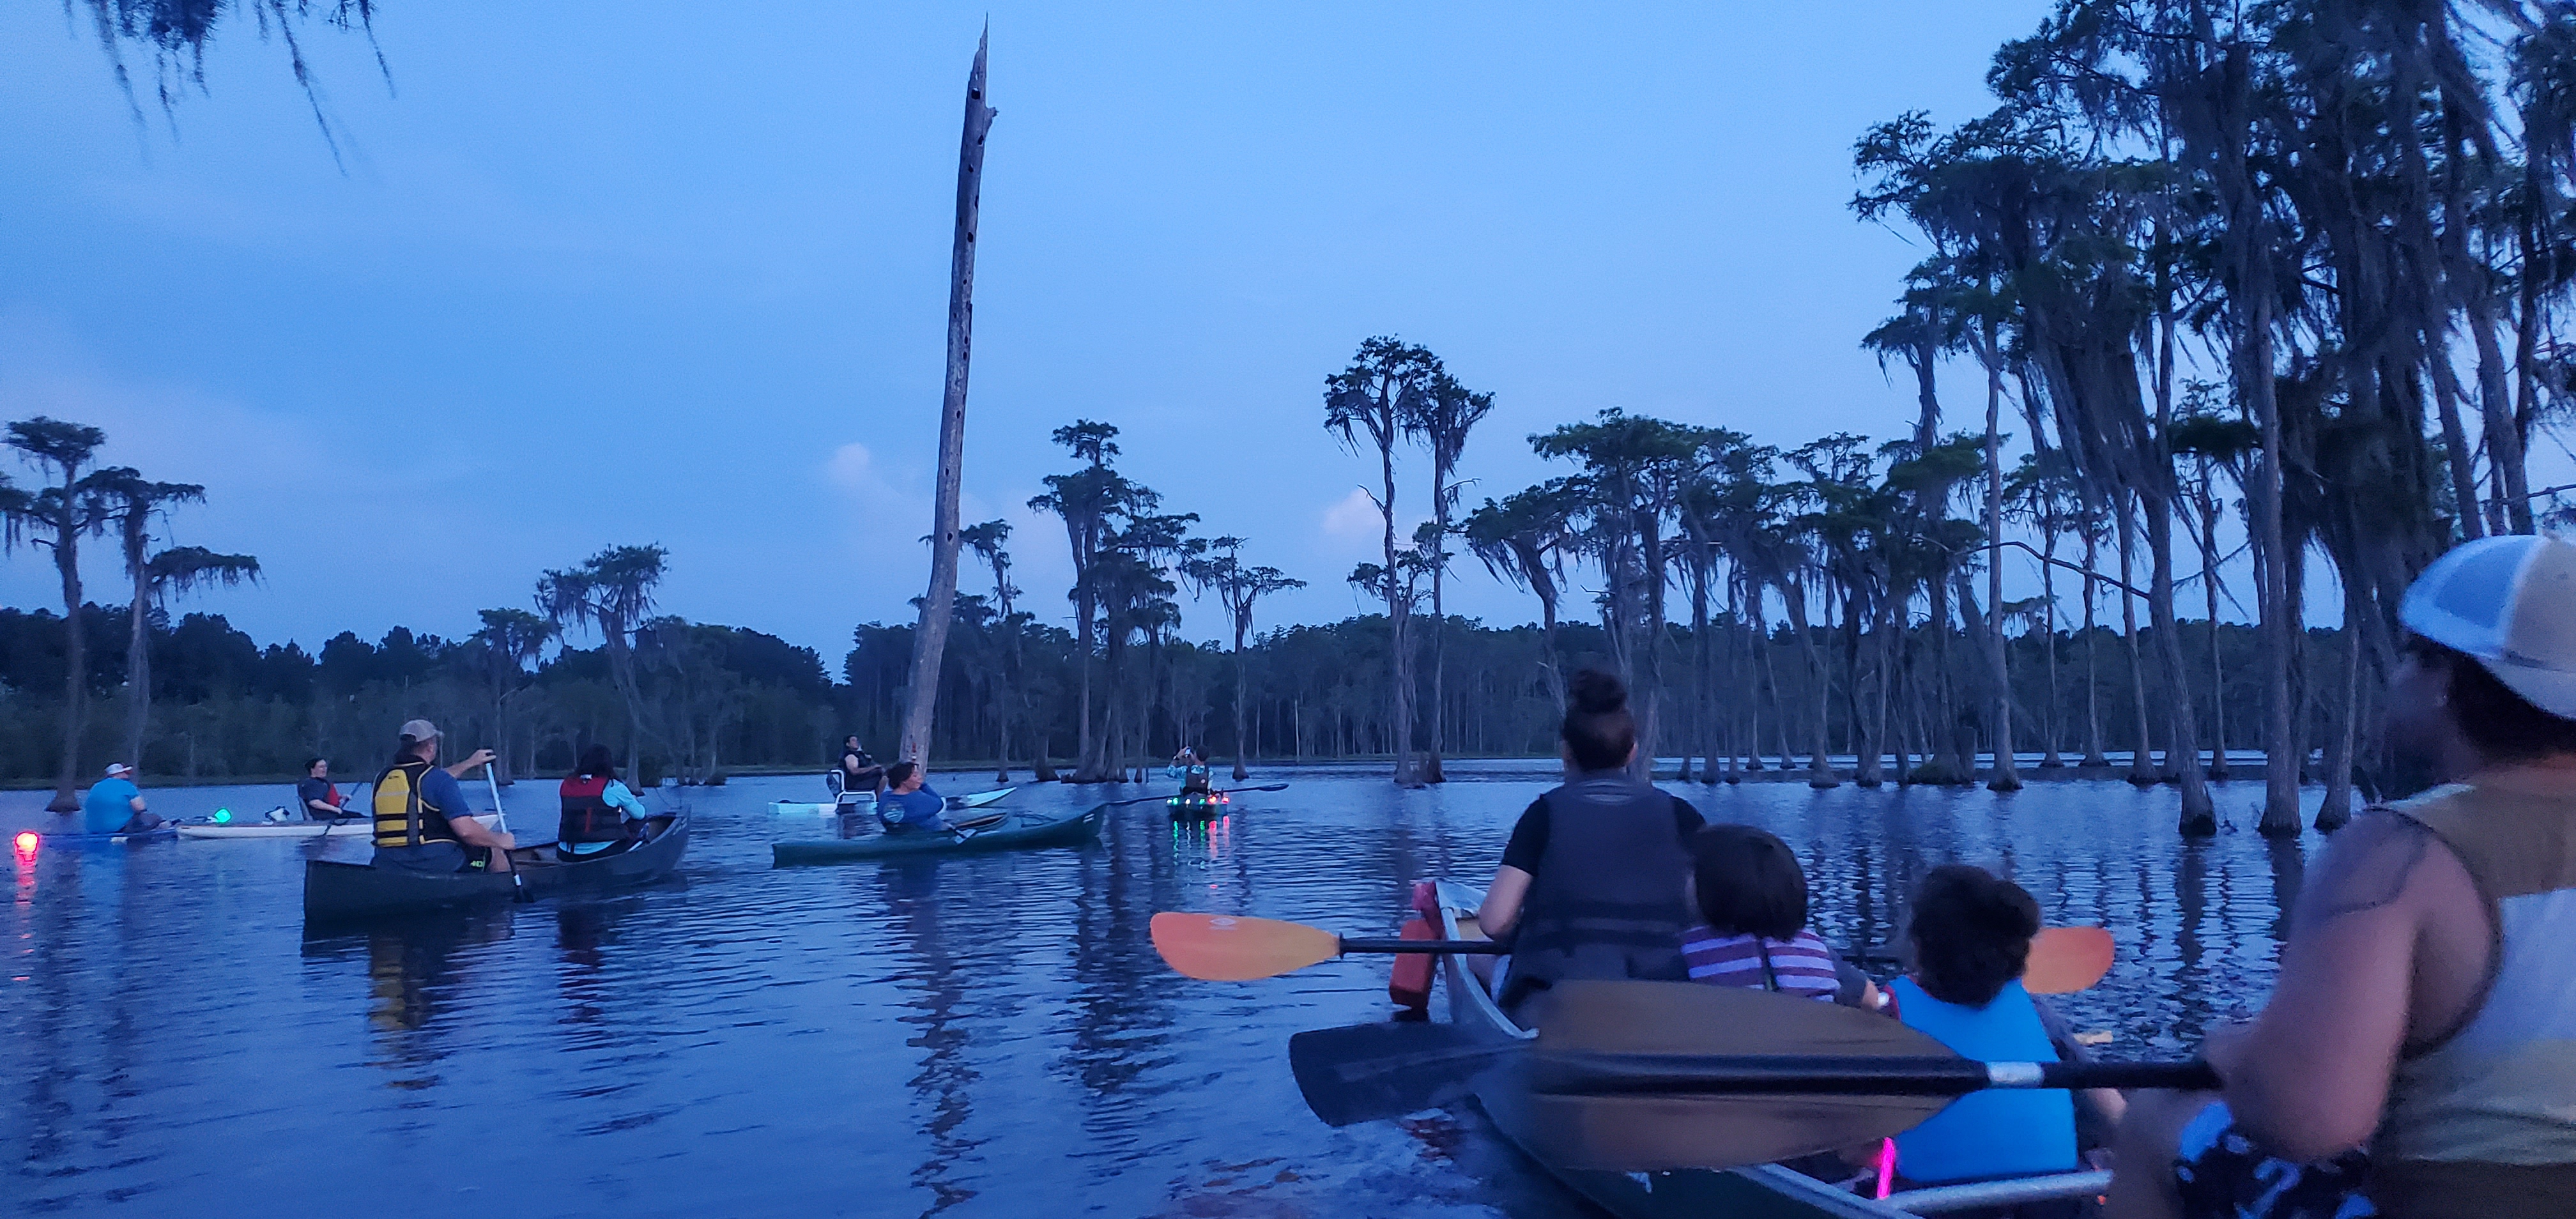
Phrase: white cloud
x=1353 y=517
x=851 y=466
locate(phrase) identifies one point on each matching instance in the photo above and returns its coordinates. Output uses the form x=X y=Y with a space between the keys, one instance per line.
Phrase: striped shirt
x=1799 y=966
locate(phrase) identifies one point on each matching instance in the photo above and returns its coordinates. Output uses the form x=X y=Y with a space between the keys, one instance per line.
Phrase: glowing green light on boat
x=223 y=816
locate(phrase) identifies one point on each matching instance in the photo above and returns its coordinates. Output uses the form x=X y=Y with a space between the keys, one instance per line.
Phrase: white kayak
x=793 y=808
x=350 y=828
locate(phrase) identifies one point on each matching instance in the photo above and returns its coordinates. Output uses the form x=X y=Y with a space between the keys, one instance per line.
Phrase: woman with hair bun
x=1594 y=881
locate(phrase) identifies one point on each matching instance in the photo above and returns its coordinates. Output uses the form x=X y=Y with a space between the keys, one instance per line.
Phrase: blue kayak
x=161 y=833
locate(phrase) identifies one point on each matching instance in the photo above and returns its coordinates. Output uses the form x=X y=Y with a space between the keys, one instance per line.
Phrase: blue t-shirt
x=108 y=806
x=441 y=791
x=914 y=810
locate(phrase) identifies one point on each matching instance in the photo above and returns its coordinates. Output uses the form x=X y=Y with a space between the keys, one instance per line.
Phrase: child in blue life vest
x=1970 y=933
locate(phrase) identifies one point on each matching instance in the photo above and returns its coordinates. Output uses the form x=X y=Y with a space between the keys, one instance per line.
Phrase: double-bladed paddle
x=1231 y=948
x=1267 y=787
x=1647 y=1076
x=1235 y=948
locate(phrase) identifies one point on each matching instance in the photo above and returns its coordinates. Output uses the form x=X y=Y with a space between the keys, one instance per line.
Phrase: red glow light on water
x=27 y=840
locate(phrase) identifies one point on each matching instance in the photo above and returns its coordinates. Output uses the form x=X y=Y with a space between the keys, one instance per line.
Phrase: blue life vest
x=1999 y=1133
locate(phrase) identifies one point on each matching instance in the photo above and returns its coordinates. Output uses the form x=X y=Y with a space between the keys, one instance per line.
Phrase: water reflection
x=938 y=984
x=2289 y=875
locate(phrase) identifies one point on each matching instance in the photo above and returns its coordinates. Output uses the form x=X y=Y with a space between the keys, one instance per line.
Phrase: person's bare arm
x=324 y=807
x=475 y=834
x=1501 y=910
x=474 y=761
x=136 y=803
x=2309 y=1076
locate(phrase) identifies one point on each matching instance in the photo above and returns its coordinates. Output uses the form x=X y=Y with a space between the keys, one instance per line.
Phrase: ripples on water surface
x=979 y=1036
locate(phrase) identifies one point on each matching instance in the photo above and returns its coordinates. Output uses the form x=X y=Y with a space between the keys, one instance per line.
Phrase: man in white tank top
x=2421 y=1013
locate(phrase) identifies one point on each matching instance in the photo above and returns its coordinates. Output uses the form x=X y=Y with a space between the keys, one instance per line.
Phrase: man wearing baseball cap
x=2418 y=1054
x=113 y=805
x=421 y=820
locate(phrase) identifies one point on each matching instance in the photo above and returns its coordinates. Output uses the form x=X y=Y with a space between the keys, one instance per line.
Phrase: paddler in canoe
x=600 y=816
x=1195 y=778
x=1970 y=933
x=909 y=806
x=2417 y=1058
x=422 y=822
x=318 y=796
x=114 y=805
x=859 y=774
x=1753 y=922
x=1594 y=878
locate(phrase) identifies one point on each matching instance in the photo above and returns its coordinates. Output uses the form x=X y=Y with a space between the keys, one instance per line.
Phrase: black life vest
x=405 y=817
x=587 y=815
x=1609 y=898
x=1196 y=778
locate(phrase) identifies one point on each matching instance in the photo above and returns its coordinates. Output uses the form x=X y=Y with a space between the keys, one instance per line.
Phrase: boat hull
x=1198 y=808
x=85 y=839
x=1764 y=1192
x=334 y=890
x=351 y=828
x=1020 y=833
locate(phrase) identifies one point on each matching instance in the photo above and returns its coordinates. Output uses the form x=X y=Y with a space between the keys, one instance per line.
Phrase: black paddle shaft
x=1600 y=1074
x=1444 y=947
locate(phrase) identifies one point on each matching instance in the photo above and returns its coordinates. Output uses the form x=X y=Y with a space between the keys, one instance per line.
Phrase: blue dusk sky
x=678 y=273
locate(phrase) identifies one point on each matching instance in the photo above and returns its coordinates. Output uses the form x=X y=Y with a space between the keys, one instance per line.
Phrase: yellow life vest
x=404 y=817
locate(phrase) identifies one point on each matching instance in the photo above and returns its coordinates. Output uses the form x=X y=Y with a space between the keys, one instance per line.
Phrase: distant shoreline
x=2242 y=771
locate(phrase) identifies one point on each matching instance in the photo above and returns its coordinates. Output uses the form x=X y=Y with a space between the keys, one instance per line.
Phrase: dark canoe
x=351 y=890
x=1017 y=832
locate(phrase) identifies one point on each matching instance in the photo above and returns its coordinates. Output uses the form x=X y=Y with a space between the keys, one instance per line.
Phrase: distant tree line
x=225 y=705
x=1317 y=693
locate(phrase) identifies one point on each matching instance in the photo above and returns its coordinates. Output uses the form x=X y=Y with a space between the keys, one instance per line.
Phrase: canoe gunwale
x=339 y=888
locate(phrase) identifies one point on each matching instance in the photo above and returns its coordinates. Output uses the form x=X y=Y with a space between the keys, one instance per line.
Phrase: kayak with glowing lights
x=334 y=890
x=1199 y=806
x=1016 y=831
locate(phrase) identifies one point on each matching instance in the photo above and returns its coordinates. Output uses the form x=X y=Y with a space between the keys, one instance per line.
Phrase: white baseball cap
x=118 y=770
x=2511 y=603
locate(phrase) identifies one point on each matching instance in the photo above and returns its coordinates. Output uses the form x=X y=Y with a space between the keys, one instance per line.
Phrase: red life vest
x=587 y=816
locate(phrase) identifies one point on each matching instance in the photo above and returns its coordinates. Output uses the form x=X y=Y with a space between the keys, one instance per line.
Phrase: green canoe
x=1017 y=832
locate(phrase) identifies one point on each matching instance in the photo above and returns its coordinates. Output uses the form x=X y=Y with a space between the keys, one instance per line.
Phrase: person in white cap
x=2418 y=1053
x=113 y=805
x=421 y=820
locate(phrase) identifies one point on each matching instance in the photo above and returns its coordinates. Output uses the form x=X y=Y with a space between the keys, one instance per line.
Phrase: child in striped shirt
x=1754 y=898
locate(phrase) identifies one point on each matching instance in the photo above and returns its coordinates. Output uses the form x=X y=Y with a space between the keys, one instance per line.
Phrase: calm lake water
x=976 y=1036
